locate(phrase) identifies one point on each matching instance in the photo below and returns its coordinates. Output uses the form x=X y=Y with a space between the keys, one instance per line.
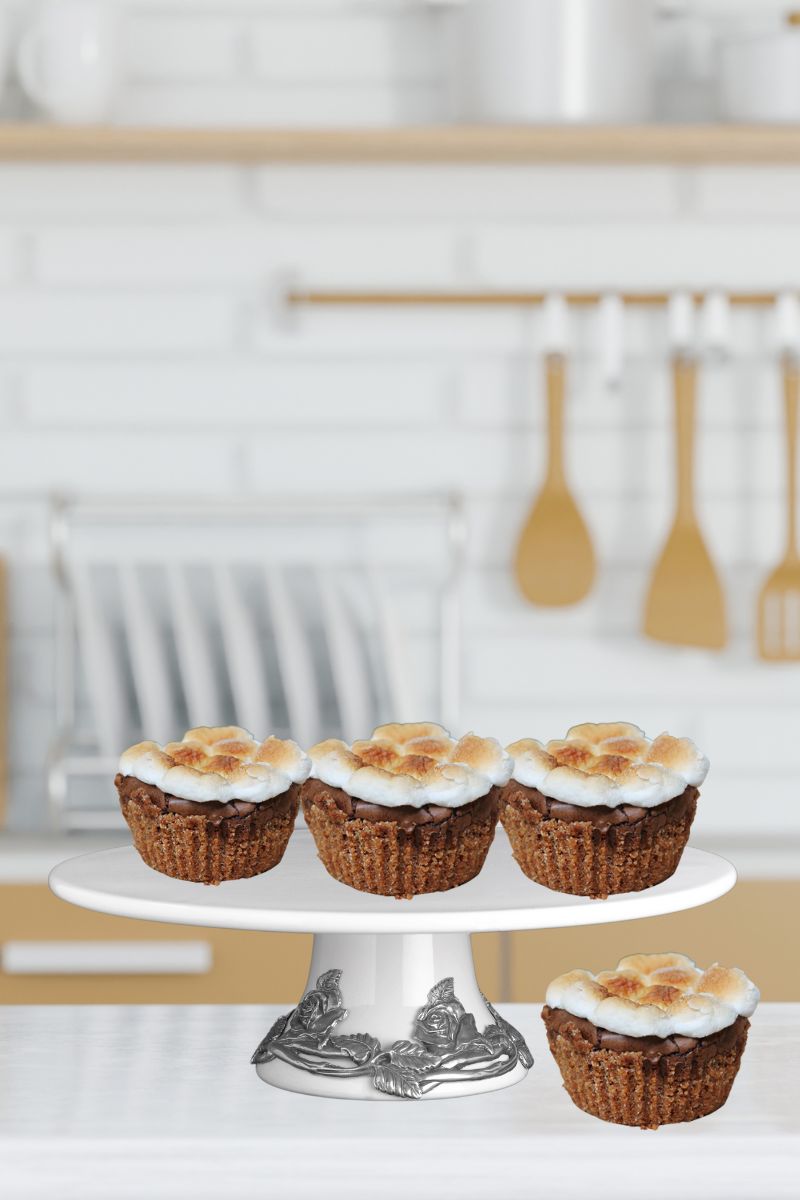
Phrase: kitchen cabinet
x=271 y=967
x=256 y=967
x=746 y=928
x=244 y=967
x=741 y=928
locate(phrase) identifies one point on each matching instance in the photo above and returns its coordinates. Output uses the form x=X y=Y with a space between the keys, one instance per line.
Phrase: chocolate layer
x=601 y=815
x=314 y=791
x=215 y=811
x=559 y=1021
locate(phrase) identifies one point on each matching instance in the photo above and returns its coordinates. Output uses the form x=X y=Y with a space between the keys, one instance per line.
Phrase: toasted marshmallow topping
x=609 y=764
x=657 y=995
x=413 y=765
x=220 y=764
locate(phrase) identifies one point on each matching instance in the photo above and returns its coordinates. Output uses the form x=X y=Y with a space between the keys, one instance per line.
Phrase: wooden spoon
x=555 y=562
x=779 y=601
x=685 y=604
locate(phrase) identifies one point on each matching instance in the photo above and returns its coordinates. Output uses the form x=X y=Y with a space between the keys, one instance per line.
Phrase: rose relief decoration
x=446 y=1045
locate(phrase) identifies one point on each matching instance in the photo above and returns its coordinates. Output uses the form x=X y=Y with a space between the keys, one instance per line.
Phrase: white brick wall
x=247 y=252
x=82 y=195
x=33 y=321
x=355 y=193
x=141 y=349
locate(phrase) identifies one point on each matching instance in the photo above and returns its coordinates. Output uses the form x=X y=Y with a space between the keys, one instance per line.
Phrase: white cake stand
x=392 y=1008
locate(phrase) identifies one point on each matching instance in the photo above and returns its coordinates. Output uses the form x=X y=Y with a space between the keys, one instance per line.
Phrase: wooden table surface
x=159 y=1101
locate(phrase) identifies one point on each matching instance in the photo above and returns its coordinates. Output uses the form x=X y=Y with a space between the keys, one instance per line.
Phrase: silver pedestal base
x=392 y=1017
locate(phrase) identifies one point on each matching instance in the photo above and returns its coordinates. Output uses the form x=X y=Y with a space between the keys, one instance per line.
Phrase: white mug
x=760 y=76
x=553 y=60
x=69 y=59
x=5 y=41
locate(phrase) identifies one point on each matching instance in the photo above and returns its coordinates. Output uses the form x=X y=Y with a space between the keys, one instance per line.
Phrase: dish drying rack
x=295 y=615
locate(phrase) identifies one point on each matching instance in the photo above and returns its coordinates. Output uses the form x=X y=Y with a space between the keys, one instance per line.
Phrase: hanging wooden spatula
x=779 y=601
x=685 y=604
x=555 y=562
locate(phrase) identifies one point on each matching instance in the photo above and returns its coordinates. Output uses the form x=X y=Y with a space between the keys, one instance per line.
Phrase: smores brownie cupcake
x=652 y=1043
x=215 y=806
x=602 y=811
x=407 y=811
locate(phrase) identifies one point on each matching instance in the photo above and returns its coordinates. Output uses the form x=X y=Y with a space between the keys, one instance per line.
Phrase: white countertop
x=156 y=1101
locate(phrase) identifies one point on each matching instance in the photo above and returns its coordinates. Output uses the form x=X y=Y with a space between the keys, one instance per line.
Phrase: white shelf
x=420 y=144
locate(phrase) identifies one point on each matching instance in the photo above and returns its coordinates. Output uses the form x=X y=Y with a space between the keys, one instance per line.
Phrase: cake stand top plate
x=299 y=896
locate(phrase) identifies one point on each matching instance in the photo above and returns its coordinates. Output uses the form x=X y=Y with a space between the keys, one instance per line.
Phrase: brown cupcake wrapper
x=624 y=1087
x=581 y=859
x=193 y=848
x=382 y=858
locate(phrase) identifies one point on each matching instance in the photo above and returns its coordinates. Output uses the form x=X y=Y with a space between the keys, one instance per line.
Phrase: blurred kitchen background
x=250 y=471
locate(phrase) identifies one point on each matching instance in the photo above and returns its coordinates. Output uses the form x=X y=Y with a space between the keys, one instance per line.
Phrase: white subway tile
x=374 y=331
x=608 y=676
x=604 y=466
x=642 y=255
x=763 y=736
x=287 y=105
x=107 y=323
x=197 y=47
x=9 y=258
x=728 y=802
x=245 y=253
x=66 y=192
x=406 y=464
x=236 y=396
x=135 y=255
x=348 y=48
x=128 y=463
x=748 y=193
x=481 y=462
x=452 y=193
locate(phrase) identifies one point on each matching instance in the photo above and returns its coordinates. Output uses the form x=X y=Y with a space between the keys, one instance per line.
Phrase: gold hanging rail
x=332 y=299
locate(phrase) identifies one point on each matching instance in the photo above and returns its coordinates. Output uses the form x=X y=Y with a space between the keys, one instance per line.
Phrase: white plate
x=244 y=655
x=193 y=646
x=300 y=896
x=347 y=660
x=403 y=699
x=294 y=659
x=155 y=691
x=102 y=664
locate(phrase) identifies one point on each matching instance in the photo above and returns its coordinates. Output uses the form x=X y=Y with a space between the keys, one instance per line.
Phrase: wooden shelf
x=677 y=144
